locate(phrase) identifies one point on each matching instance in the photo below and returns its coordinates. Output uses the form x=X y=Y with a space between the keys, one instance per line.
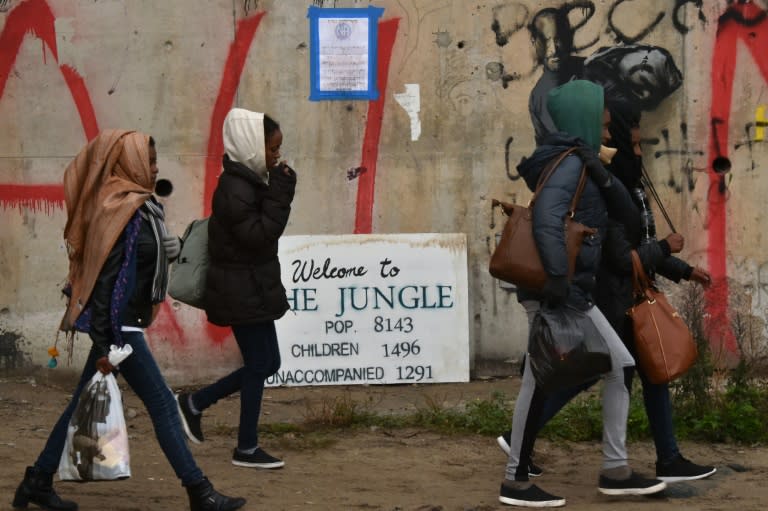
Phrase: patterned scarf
x=153 y=212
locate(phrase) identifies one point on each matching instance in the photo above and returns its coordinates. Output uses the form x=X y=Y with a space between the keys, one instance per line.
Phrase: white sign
x=343 y=54
x=374 y=309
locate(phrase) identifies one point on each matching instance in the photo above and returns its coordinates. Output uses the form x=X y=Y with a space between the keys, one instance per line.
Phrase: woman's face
x=153 y=164
x=606 y=134
x=635 y=133
x=272 y=148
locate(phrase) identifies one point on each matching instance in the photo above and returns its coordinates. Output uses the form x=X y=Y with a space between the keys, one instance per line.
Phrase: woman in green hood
x=577 y=109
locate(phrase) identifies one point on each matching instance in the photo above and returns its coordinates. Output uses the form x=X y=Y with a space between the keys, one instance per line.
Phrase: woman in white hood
x=251 y=206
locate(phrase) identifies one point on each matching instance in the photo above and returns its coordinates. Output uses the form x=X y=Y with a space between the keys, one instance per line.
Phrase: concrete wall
x=71 y=67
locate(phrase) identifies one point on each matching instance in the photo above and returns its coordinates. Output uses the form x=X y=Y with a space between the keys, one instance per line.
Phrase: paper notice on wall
x=343 y=54
x=411 y=102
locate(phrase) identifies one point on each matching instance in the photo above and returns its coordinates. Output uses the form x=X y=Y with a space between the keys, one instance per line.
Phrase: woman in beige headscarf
x=118 y=253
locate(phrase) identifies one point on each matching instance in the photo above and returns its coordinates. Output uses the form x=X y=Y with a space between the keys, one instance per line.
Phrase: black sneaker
x=259 y=459
x=189 y=420
x=503 y=441
x=633 y=485
x=533 y=496
x=680 y=469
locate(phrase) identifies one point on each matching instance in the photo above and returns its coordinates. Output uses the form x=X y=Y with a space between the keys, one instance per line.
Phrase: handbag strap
x=579 y=190
x=550 y=169
x=640 y=280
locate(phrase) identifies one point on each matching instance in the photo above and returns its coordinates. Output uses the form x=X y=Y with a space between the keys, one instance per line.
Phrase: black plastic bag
x=566 y=349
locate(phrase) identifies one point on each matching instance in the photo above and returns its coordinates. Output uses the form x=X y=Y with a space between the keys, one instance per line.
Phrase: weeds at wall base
x=713 y=402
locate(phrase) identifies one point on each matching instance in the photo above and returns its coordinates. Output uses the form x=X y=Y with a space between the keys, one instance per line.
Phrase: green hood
x=577 y=109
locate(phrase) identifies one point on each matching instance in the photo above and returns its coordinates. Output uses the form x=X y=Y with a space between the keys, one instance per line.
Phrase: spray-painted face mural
x=638 y=73
x=548 y=40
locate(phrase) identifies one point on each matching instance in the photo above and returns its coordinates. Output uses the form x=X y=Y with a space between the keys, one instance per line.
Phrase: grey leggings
x=530 y=401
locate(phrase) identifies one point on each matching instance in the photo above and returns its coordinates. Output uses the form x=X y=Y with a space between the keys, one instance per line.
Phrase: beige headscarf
x=104 y=185
x=243 y=133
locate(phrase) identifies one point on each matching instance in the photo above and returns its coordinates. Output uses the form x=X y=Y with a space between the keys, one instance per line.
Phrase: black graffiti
x=683 y=29
x=510 y=175
x=504 y=33
x=562 y=39
x=495 y=71
x=355 y=172
x=679 y=25
x=685 y=148
x=624 y=38
x=750 y=142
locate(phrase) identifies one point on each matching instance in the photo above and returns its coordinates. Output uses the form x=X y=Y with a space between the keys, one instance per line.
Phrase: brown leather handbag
x=664 y=345
x=516 y=259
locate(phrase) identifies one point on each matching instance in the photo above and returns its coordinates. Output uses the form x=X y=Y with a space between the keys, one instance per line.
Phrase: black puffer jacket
x=614 y=294
x=552 y=207
x=243 y=284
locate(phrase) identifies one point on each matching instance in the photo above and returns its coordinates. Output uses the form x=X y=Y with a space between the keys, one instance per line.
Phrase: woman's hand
x=701 y=276
x=104 y=366
x=285 y=168
x=676 y=242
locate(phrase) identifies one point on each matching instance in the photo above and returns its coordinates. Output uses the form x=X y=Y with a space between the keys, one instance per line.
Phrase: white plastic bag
x=96 y=448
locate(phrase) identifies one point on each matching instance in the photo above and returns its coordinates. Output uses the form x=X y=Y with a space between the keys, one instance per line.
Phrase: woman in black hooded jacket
x=251 y=206
x=614 y=292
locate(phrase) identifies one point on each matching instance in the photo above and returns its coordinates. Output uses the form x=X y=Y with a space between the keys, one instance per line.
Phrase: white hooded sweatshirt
x=244 y=140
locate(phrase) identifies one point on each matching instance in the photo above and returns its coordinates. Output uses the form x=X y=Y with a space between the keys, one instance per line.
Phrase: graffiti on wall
x=553 y=30
x=36 y=18
x=747 y=24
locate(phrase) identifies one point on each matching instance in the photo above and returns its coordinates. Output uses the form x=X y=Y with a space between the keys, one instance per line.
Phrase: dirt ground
x=369 y=470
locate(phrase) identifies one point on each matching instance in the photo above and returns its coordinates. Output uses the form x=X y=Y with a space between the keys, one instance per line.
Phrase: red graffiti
x=367 y=180
x=36 y=18
x=230 y=79
x=166 y=327
x=755 y=37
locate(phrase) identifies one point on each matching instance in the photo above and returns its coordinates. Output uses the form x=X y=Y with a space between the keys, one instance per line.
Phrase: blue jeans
x=658 y=408
x=143 y=375
x=261 y=359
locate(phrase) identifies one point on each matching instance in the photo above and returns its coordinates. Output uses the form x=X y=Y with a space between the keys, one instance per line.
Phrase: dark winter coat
x=243 y=284
x=138 y=310
x=614 y=293
x=553 y=205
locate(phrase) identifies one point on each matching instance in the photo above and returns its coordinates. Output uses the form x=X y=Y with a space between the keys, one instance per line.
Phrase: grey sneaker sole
x=656 y=488
x=686 y=478
x=192 y=438
x=529 y=503
x=276 y=464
